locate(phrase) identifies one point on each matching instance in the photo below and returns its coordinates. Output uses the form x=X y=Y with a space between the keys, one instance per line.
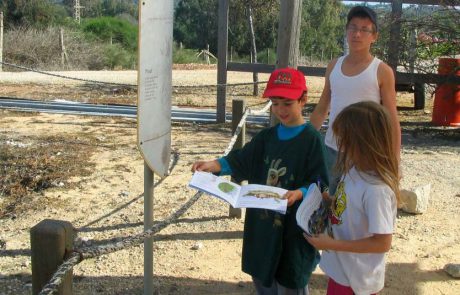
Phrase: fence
x=53 y=253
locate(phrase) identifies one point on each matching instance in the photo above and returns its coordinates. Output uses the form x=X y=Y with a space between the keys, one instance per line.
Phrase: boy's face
x=361 y=33
x=288 y=111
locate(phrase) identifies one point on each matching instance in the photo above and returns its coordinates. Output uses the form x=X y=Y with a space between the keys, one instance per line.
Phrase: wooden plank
x=426 y=78
x=320 y=72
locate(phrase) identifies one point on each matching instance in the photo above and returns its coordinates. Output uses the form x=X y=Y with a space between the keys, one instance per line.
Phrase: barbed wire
x=90 y=252
x=122 y=84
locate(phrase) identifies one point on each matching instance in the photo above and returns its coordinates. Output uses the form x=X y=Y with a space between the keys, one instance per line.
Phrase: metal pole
x=148 y=223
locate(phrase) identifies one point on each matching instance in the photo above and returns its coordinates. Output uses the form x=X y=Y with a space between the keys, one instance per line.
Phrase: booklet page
x=262 y=196
x=312 y=214
x=215 y=185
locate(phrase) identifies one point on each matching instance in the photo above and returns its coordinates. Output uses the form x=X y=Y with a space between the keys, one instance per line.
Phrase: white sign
x=154 y=83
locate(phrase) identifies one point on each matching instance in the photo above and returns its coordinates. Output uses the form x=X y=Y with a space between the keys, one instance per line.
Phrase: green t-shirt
x=273 y=244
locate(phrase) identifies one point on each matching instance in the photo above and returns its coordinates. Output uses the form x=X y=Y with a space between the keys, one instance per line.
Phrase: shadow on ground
x=415 y=277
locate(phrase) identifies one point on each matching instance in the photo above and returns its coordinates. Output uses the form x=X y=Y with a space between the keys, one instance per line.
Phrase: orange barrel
x=446 y=108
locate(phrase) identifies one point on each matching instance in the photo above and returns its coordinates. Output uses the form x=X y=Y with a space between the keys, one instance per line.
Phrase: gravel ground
x=200 y=253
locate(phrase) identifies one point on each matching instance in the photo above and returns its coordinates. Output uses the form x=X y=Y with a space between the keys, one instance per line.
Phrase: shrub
x=112 y=30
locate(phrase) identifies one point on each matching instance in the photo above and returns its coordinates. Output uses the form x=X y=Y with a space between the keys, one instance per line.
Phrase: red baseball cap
x=286 y=83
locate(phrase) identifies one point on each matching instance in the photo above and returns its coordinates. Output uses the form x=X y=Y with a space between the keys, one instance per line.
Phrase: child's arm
x=378 y=243
x=321 y=110
x=207 y=166
x=388 y=95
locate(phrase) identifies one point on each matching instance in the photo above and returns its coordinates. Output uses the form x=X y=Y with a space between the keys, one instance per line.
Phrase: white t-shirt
x=346 y=90
x=364 y=206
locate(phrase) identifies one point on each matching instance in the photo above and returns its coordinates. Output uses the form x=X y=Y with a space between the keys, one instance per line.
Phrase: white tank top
x=346 y=90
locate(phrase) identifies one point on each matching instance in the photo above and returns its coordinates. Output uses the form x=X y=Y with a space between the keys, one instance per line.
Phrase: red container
x=446 y=108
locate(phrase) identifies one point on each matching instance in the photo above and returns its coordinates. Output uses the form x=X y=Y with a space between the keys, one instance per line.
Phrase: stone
x=416 y=200
x=197 y=246
x=453 y=270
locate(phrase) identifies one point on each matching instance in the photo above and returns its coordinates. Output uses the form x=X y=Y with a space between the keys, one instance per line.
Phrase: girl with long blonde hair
x=363 y=214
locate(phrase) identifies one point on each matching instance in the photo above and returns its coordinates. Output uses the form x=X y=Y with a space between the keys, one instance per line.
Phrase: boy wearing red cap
x=289 y=155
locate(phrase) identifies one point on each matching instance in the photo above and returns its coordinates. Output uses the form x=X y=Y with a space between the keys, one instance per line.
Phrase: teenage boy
x=355 y=77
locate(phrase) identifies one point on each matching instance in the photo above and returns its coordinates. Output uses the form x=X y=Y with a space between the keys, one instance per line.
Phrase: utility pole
x=1 y=41
x=76 y=10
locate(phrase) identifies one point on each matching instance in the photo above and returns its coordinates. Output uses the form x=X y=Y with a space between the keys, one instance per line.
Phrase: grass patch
x=31 y=165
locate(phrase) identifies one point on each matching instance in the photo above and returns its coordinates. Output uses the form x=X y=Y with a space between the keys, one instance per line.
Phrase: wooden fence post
x=51 y=241
x=419 y=96
x=238 y=107
x=222 y=48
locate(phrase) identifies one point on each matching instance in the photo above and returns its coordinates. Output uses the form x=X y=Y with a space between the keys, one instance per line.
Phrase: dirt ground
x=88 y=171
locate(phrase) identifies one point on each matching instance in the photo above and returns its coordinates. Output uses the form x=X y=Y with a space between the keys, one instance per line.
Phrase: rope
x=121 y=84
x=91 y=252
x=65 y=77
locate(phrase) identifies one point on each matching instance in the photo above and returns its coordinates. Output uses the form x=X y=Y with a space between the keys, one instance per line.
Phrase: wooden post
x=289 y=33
x=238 y=107
x=63 y=52
x=419 y=96
x=395 y=34
x=1 y=41
x=288 y=38
x=206 y=55
x=255 y=77
x=51 y=241
x=222 y=47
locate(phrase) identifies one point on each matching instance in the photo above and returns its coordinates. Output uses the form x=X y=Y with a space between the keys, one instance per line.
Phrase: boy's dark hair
x=363 y=12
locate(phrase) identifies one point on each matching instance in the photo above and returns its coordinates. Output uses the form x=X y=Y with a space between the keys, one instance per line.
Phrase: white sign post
x=154 y=106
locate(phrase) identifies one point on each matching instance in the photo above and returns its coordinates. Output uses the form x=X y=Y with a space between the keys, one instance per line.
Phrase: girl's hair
x=364 y=139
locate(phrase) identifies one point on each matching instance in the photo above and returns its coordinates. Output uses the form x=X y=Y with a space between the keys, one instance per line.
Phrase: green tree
x=38 y=13
x=99 y=8
x=265 y=21
x=322 y=28
x=112 y=30
x=195 y=23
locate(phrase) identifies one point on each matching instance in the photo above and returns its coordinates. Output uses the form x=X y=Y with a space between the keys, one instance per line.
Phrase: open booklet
x=240 y=196
x=312 y=214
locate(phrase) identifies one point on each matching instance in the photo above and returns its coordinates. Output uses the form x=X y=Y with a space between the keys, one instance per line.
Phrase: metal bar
x=148 y=223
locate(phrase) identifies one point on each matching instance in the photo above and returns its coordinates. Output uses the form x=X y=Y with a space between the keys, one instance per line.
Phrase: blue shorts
x=334 y=176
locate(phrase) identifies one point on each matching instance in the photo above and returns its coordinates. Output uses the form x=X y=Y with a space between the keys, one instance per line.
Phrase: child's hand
x=327 y=197
x=206 y=166
x=321 y=241
x=293 y=196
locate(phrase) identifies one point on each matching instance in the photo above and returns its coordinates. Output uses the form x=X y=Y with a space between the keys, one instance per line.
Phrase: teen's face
x=360 y=33
x=288 y=111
